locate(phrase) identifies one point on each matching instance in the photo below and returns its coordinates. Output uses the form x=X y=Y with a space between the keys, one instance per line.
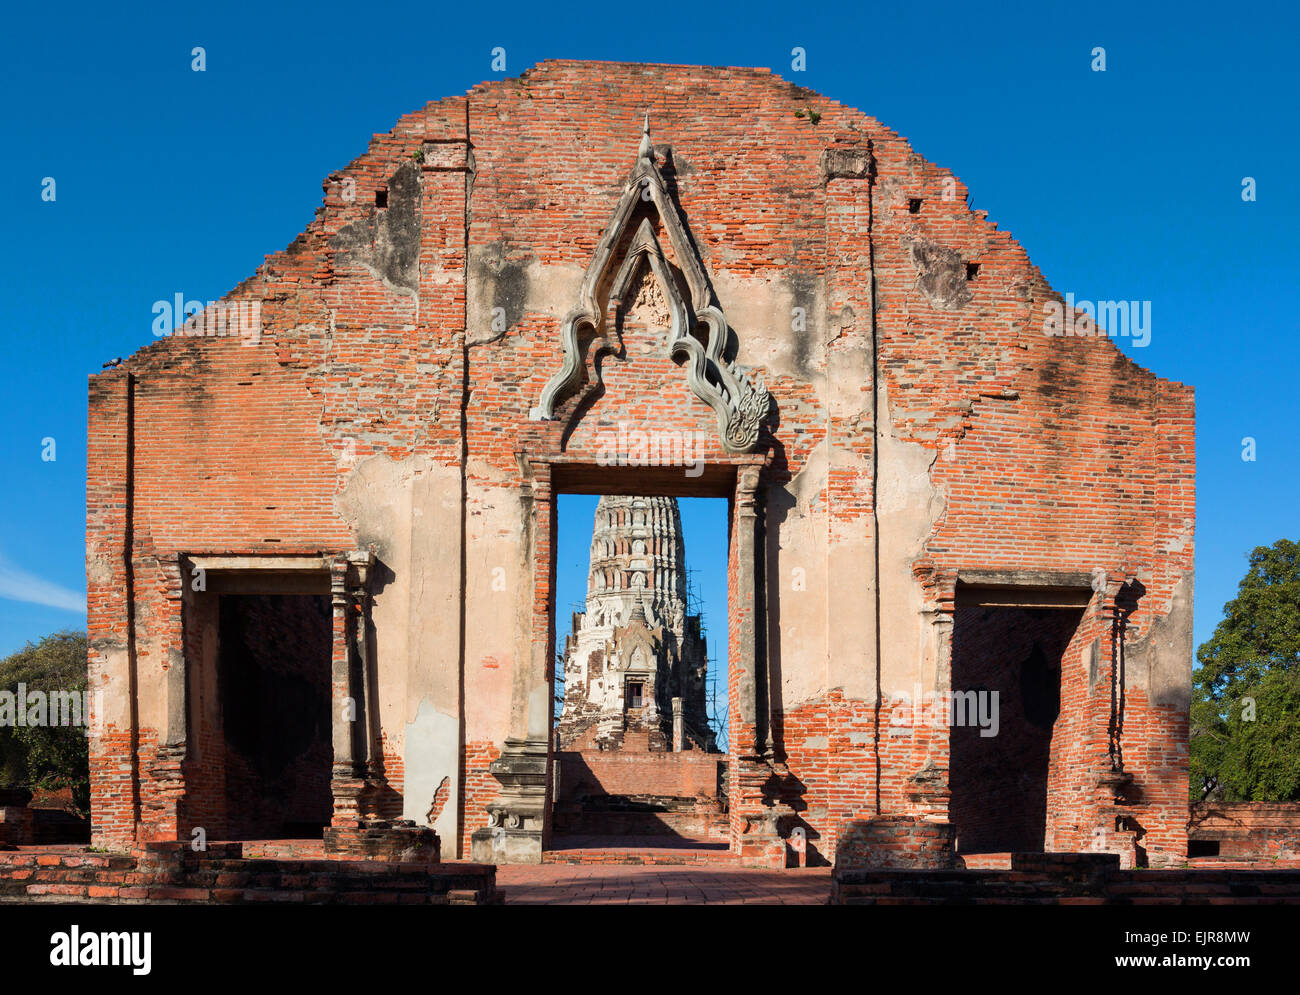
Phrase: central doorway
x=641 y=700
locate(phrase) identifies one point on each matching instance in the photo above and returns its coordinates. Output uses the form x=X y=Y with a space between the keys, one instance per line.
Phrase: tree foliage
x=1245 y=722
x=47 y=757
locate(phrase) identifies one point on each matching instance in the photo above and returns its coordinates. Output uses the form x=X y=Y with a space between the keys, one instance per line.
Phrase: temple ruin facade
x=321 y=551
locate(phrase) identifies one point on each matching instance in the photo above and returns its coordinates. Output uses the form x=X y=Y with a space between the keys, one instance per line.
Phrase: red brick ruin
x=321 y=517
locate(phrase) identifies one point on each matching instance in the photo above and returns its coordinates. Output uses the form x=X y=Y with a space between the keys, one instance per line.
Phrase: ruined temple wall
x=1028 y=452
x=335 y=427
x=1045 y=450
x=549 y=173
x=997 y=446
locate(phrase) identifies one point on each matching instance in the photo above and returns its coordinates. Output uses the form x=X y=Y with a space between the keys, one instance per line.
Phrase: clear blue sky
x=1124 y=184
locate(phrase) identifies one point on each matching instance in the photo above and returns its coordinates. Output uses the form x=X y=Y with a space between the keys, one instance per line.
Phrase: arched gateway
x=320 y=551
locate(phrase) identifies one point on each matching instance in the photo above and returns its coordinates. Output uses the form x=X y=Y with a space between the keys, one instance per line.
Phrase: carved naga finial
x=645 y=151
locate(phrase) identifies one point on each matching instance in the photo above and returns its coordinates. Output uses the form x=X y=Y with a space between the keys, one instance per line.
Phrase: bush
x=48 y=757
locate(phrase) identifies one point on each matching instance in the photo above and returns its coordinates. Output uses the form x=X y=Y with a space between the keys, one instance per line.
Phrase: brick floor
x=560 y=884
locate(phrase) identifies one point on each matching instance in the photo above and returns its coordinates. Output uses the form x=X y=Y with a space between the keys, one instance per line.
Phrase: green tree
x=1245 y=721
x=47 y=757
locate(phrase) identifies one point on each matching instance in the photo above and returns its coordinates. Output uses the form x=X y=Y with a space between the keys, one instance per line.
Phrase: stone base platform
x=1065 y=879
x=171 y=873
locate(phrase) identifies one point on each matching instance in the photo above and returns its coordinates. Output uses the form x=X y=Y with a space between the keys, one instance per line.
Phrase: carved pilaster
x=357 y=779
x=517 y=820
x=363 y=679
x=751 y=682
x=343 y=703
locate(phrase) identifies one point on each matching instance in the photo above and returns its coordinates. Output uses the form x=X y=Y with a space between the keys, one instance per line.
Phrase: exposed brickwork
x=409 y=844
x=378 y=356
x=1066 y=879
x=1248 y=830
x=606 y=884
x=682 y=775
x=896 y=841
x=479 y=788
x=177 y=877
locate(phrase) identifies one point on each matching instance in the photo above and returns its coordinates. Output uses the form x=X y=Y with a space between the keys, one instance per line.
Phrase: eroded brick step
x=1115 y=887
x=87 y=878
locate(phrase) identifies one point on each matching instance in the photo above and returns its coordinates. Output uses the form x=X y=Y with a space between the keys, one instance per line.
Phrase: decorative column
x=1113 y=829
x=368 y=758
x=746 y=730
x=346 y=783
x=360 y=828
x=927 y=788
x=759 y=820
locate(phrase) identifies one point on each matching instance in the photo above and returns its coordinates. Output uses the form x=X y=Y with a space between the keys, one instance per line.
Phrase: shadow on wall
x=274 y=675
x=999 y=782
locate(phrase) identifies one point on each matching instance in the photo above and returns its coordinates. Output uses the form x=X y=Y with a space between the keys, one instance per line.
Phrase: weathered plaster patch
x=940 y=273
x=518 y=287
x=801 y=579
x=1161 y=661
x=431 y=758
x=760 y=313
x=908 y=505
x=409 y=510
x=387 y=242
x=109 y=694
x=498 y=600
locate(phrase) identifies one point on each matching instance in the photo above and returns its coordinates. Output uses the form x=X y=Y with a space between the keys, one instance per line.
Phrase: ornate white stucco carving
x=740 y=401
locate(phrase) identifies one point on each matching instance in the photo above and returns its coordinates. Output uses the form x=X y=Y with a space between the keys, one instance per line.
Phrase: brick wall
x=675 y=775
x=1002 y=448
x=170 y=878
x=1248 y=830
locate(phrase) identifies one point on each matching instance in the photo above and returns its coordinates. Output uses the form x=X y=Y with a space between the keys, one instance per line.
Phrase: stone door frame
x=196 y=580
x=519 y=828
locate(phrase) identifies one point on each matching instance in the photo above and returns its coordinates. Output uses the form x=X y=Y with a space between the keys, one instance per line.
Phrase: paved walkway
x=560 y=884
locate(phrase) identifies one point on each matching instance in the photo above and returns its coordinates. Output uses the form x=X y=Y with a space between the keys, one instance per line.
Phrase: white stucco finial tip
x=644 y=150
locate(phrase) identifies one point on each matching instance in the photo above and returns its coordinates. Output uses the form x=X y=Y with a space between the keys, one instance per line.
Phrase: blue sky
x=1123 y=184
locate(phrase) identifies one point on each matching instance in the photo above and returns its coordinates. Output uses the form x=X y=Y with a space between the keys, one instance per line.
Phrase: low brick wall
x=703 y=824
x=1064 y=879
x=404 y=843
x=1247 y=830
x=687 y=774
x=171 y=875
x=896 y=841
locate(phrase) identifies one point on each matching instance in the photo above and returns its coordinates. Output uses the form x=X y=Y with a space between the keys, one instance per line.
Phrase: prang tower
x=635 y=664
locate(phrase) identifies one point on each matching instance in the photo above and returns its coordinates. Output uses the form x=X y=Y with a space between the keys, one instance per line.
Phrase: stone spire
x=637 y=558
x=637 y=575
